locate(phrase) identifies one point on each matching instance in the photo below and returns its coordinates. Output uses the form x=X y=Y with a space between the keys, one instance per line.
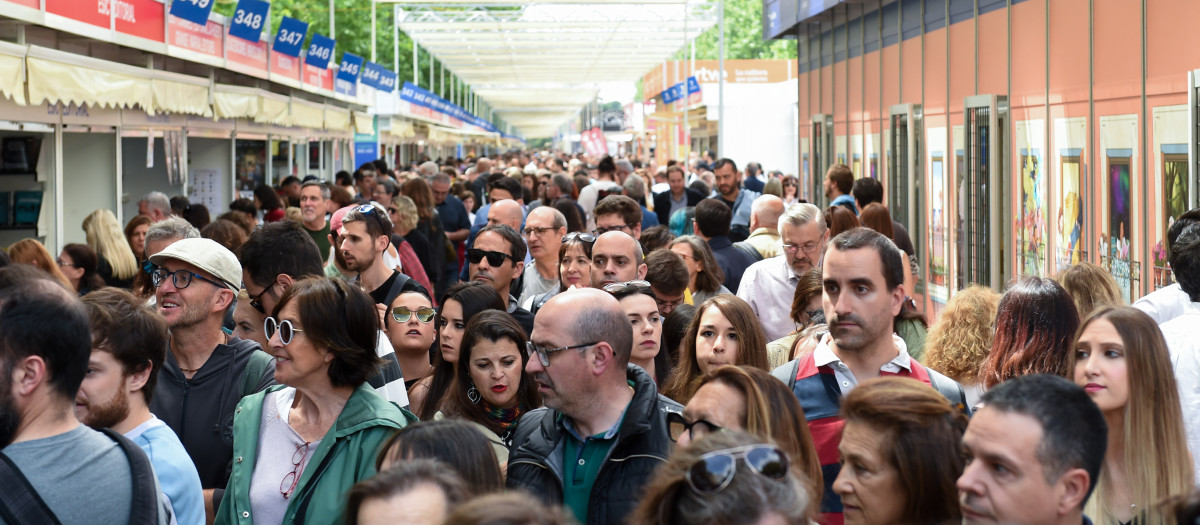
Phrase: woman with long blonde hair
x=116 y=262
x=1121 y=359
x=32 y=252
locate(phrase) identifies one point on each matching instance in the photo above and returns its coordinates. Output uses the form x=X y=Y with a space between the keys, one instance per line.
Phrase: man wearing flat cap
x=206 y=372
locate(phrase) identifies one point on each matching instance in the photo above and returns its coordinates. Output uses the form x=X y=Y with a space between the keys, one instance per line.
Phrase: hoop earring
x=473 y=395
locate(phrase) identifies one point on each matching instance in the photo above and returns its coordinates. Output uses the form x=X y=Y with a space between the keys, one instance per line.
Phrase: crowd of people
x=544 y=338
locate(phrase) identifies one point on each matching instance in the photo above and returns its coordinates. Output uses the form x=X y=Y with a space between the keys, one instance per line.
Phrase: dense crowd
x=543 y=338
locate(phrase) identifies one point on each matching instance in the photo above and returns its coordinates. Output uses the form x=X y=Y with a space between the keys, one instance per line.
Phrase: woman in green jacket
x=299 y=446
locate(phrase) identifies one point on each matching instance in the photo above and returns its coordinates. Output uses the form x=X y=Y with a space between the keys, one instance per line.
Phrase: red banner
x=284 y=65
x=140 y=18
x=93 y=13
x=192 y=37
x=320 y=78
x=247 y=57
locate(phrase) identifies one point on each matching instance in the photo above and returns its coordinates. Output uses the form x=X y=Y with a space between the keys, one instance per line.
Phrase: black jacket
x=535 y=462
x=662 y=204
x=732 y=260
x=200 y=411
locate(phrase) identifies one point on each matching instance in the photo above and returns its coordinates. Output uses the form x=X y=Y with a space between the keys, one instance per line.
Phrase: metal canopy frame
x=537 y=64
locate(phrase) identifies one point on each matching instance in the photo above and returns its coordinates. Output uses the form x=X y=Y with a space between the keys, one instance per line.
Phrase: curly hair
x=958 y=342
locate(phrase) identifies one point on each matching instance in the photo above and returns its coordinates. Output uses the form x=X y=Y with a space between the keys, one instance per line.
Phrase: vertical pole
x=416 y=70
x=721 y=77
x=373 y=31
x=687 y=97
x=332 y=33
x=396 y=40
x=431 y=79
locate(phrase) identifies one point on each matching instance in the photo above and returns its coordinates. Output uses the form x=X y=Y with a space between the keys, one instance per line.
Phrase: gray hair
x=624 y=166
x=428 y=168
x=440 y=178
x=563 y=183
x=557 y=219
x=800 y=214
x=171 y=228
x=635 y=188
x=159 y=201
x=321 y=184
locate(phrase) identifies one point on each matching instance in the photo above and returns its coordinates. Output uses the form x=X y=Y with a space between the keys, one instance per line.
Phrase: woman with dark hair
x=876 y=217
x=78 y=264
x=322 y=413
x=423 y=491
x=269 y=203
x=675 y=327
x=459 y=444
x=750 y=400
x=458 y=305
x=226 y=233
x=570 y=210
x=574 y=268
x=1035 y=324
x=806 y=311
x=726 y=477
x=135 y=235
x=839 y=219
x=429 y=223
x=491 y=388
x=900 y=448
x=638 y=301
x=1121 y=360
x=791 y=190
x=197 y=215
x=725 y=331
x=705 y=276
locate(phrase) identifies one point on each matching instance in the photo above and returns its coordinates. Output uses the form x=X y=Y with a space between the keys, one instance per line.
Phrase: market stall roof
x=537 y=63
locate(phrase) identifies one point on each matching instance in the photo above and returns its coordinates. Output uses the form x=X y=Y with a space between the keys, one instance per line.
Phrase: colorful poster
x=1115 y=245
x=1070 y=211
x=1174 y=204
x=1032 y=222
x=1071 y=203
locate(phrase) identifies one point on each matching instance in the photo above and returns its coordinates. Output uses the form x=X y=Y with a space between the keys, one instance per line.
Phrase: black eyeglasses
x=713 y=471
x=601 y=230
x=256 y=300
x=402 y=314
x=677 y=425
x=285 y=328
x=538 y=232
x=543 y=353
x=619 y=288
x=583 y=237
x=493 y=258
x=180 y=278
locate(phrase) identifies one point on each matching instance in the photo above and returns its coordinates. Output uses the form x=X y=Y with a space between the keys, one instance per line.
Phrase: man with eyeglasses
x=206 y=372
x=498 y=259
x=769 y=285
x=616 y=258
x=278 y=255
x=544 y=230
x=604 y=431
x=618 y=213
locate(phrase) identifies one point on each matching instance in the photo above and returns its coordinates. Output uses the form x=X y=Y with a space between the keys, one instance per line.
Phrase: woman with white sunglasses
x=300 y=445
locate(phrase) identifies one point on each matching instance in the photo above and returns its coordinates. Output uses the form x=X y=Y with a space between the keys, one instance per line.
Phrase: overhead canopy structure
x=537 y=63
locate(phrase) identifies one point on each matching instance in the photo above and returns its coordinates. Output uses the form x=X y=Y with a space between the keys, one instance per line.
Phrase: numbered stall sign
x=378 y=77
x=290 y=36
x=351 y=64
x=247 y=21
x=320 y=51
x=194 y=11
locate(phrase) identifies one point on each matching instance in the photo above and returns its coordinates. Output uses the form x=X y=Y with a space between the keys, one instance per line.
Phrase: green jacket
x=345 y=456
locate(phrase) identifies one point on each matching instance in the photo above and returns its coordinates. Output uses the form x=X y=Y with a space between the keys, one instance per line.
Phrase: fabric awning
x=12 y=72
x=337 y=119
x=233 y=102
x=272 y=109
x=307 y=114
x=403 y=129
x=56 y=76
x=364 y=123
x=180 y=94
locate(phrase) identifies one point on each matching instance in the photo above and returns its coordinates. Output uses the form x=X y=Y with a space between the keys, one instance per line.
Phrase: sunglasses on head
x=618 y=288
x=713 y=471
x=583 y=237
x=401 y=314
x=493 y=258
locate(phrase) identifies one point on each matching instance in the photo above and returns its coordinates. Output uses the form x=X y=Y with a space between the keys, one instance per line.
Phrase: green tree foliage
x=743 y=36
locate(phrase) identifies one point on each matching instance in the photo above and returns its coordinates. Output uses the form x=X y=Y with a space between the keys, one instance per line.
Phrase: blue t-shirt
x=454 y=214
x=177 y=476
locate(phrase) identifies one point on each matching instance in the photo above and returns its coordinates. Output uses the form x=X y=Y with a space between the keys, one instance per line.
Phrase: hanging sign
x=351 y=64
x=320 y=51
x=290 y=36
x=247 y=21
x=378 y=77
x=194 y=11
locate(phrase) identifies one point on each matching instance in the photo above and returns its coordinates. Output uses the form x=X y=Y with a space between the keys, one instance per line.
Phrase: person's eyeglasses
x=61 y=263
x=713 y=471
x=256 y=300
x=601 y=230
x=543 y=353
x=808 y=247
x=677 y=426
x=536 y=232
x=583 y=237
x=402 y=314
x=291 y=479
x=493 y=258
x=619 y=288
x=180 y=278
x=285 y=328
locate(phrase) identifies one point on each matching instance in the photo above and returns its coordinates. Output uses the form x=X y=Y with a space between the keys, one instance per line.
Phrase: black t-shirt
x=380 y=295
x=728 y=203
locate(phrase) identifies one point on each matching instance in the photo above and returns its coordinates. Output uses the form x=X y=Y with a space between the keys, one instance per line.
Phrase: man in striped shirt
x=862 y=275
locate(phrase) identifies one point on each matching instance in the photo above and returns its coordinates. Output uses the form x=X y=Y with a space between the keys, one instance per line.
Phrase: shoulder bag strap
x=144 y=508
x=255 y=368
x=20 y=503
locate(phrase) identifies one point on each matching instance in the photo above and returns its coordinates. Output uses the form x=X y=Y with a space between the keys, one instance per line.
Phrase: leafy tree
x=743 y=36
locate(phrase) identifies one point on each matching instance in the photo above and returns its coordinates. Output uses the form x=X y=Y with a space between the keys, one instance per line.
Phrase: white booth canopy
x=537 y=63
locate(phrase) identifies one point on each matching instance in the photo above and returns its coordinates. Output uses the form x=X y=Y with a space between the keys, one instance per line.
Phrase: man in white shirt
x=1180 y=334
x=769 y=285
x=1169 y=302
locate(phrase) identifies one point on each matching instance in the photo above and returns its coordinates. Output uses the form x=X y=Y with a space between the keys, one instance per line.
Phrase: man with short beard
x=206 y=372
x=363 y=239
x=78 y=474
x=128 y=348
x=313 y=196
